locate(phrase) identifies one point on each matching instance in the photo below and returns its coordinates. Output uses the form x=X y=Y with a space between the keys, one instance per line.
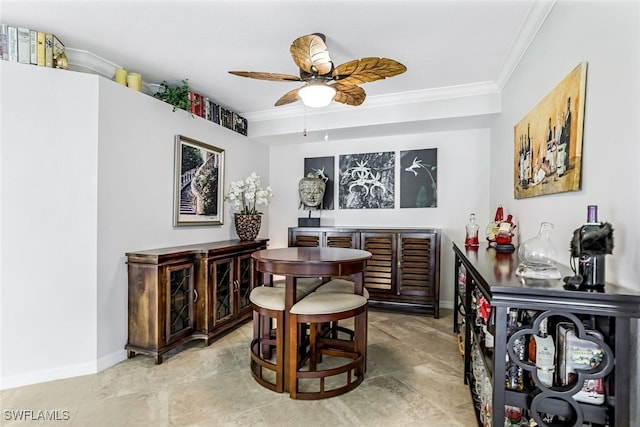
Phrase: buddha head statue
x=311 y=190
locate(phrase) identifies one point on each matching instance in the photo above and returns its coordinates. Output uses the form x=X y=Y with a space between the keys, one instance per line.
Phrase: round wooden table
x=297 y=262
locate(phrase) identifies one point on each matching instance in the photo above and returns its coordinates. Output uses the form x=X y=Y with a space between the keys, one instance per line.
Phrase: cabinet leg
x=131 y=354
x=158 y=359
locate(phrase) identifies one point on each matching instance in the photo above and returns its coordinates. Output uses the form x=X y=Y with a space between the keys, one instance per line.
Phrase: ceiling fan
x=325 y=82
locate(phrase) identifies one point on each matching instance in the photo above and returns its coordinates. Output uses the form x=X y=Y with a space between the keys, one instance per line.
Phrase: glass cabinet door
x=180 y=299
x=222 y=275
x=244 y=281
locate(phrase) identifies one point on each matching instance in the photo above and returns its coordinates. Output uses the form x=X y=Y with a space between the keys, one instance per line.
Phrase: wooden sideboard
x=404 y=270
x=186 y=293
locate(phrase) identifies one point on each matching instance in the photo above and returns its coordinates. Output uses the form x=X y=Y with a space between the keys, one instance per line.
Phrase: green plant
x=177 y=96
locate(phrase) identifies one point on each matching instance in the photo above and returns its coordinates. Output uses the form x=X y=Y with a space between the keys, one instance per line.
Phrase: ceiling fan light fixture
x=317 y=95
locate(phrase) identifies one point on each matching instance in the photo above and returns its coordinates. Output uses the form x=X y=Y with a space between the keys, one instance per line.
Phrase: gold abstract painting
x=548 y=140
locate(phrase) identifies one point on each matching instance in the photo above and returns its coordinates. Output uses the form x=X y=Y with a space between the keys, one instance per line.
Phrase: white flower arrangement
x=245 y=195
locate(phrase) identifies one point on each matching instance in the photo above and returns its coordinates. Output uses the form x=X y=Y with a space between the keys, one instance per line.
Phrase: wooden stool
x=340 y=286
x=327 y=307
x=267 y=304
x=304 y=285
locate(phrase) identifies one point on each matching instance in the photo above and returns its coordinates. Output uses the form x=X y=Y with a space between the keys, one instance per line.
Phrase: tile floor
x=414 y=378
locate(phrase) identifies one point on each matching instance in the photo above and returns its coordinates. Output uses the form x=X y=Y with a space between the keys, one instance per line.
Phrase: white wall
x=576 y=32
x=87 y=175
x=49 y=158
x=463 y=180
x=135 y=203
x=606 y=35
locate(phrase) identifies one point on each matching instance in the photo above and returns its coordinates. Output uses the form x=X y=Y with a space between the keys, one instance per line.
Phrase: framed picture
x=419 y=178
x=199 y=186
x=367 y=181
x=548 y=140
x=323 y=168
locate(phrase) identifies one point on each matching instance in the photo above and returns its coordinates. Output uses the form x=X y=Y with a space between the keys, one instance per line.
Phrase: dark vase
x=247 y=226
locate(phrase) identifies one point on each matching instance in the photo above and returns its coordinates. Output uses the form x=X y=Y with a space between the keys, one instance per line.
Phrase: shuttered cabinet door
x=415 y=254
x=381 y=269
x=417 y=274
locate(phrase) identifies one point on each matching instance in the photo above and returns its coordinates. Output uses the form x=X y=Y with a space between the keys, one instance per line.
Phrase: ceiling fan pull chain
x=304 y=132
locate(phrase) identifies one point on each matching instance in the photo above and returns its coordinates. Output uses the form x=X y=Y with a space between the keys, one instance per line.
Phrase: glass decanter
x=537 y=256
x=472 y=232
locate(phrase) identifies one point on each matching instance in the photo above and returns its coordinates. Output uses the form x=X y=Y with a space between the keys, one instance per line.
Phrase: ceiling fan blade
x=266 y=76
x=349 y=94
x=311 y=55
x=367 y=70
x=288 y=98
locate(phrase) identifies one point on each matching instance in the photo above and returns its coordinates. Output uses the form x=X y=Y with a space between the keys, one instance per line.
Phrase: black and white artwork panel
x=419 y=178
x=367 y=181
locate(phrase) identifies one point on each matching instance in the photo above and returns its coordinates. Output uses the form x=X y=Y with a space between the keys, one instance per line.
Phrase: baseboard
x=47 y=375
x=446 y=304
x=111 y=359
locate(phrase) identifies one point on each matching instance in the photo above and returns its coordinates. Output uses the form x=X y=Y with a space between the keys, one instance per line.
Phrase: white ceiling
x=444 y=44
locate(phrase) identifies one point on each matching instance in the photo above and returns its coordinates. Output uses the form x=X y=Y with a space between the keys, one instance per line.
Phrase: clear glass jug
x=537 y=256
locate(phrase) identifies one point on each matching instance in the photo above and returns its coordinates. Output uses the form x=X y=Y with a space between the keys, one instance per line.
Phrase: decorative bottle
x=591 y=267
x=537 y=256
x=542 y=354
x=514 y=372
x=472 y=232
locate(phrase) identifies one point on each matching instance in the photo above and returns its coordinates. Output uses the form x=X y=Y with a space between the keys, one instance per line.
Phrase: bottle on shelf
x=542 y=354
x=514 y=372
x=591 y=267
x=472 y=232
x=512 y=416
x=490 y=328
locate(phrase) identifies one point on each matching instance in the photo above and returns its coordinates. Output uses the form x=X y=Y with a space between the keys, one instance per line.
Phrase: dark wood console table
x=484 y=273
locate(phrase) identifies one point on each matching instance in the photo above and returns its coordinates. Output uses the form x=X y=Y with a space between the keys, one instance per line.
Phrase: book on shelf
x=215 y=117
x=200 y=106
x=33 y=47
x=40 y=49
x=226 y=118
x=12 y=42
x=207 y=108
x=192 y=101
x=24 y=46
x=48 y=50
x=239 y=124
x=4 y=42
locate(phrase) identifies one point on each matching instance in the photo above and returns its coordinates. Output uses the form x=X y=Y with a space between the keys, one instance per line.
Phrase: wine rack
x=590 y=331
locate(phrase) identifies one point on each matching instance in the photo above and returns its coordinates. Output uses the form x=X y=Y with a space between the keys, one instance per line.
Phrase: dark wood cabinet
x=404 y=270
x=597 y=353
x=186 y=293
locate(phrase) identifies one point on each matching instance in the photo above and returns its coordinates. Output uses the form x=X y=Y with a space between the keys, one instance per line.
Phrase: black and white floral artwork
x=322 y=167
x=367 y=181
x=419 y=178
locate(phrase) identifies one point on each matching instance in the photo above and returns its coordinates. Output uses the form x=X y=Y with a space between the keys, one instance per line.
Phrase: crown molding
x=530 y=27
x=395 y=99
